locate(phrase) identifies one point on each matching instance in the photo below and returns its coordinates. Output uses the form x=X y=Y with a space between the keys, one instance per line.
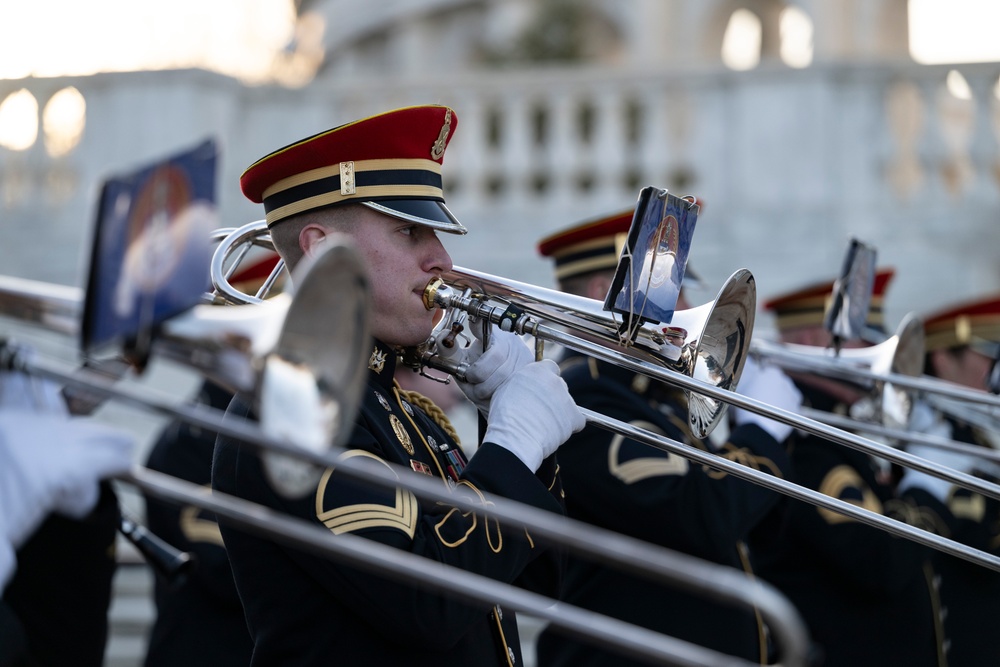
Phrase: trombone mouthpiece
x=430 y=293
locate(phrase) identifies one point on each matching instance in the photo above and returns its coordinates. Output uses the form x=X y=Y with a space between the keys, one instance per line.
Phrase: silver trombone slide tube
x=720 y=583
x=54 y=307
x=903 y=435
x=980 y=416
x=447 y=297
x=784 y=355
x=627 y=639
x=799 y=492
x=777 y=484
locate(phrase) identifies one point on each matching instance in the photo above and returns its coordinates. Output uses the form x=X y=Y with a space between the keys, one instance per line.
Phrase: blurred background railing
x=790 y=163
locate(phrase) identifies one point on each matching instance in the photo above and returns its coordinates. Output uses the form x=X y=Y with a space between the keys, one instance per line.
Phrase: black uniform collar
x=382 y=364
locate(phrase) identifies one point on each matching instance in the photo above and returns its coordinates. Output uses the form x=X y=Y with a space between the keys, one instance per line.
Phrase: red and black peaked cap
x=390 y=162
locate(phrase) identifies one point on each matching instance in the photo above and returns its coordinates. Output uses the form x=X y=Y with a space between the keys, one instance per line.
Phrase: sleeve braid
x=432 y=410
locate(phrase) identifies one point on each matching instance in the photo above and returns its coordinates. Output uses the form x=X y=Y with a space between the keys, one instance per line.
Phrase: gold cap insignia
x=404 y=437
x=437 y=150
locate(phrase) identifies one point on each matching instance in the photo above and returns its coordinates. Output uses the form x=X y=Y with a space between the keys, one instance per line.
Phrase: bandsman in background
x=867 y=597
x=378 y=181
x=628 y=487
x=199 y=617
x=962 y=347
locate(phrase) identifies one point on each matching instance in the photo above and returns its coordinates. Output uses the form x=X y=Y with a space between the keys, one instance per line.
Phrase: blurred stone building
x=800 y=125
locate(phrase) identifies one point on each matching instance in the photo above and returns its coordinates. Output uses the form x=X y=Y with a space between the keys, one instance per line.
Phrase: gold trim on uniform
x=497 y=547
x=923 y=518
x=745 y=457
x=441 y=473
x=636 y=470
x=401 y=515
x=833 y=485
x=376 y=362
x=197 y=529
x=400 y=431
x=347 y=178
x=971 y=507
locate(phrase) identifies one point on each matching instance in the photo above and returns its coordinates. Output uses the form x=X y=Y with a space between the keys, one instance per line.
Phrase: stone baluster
x=564 y=148
x=608 y=161
x=931 y=149
x=516 y=149
x=983 y=151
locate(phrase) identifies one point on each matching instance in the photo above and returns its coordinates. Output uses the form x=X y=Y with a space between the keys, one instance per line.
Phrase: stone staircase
x=131 y=615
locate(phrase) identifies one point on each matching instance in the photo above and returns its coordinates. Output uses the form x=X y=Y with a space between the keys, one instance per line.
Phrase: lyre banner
x=846 y=313
x=151 y=252
x=650 y=271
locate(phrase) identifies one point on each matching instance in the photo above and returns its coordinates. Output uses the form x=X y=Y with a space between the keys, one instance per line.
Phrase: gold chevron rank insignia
x=400 y=513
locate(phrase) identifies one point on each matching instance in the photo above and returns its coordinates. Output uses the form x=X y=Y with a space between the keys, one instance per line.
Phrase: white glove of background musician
x=937 y=487
x=927 y=421
x=507 y=353
x=770 y=385
x=532 y=413
x=48 y=462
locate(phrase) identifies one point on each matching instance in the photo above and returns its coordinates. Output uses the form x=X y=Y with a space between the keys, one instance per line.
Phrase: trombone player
x=378 y=181
x=962 y=347
x=660 y=497
x=868 y=597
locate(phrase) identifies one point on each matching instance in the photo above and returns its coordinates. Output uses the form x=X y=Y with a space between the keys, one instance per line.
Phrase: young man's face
x=402 y=257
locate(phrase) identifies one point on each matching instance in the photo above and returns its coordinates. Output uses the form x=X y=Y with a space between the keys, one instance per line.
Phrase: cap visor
x=427 y=212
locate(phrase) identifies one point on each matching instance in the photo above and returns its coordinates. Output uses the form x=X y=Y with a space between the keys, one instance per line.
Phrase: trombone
x=893 y=371
x=297 y=340
x=716 y=353
x=854 y=364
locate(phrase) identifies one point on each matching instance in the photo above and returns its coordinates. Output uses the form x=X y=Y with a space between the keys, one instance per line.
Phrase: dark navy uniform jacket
x=662 y=498
x=303 y=609
x=54 y=610
x=969 y=593
x=866 y=596
x=199 y=619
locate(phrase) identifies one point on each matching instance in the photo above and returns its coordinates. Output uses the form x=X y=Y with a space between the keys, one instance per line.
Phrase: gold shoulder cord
x=432 y=410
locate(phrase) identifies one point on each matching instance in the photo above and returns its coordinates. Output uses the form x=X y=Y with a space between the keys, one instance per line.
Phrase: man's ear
x=310 y=239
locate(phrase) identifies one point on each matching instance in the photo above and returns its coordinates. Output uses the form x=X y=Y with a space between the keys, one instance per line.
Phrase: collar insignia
x=404 y=437
x=383 y=401
x=377 y=361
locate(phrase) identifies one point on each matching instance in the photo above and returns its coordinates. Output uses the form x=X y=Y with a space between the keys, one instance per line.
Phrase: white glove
x=532 y=413
x=770 y=385
x=49 y=462
x=939 y=488
x=928 y=421
x=507 y=353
